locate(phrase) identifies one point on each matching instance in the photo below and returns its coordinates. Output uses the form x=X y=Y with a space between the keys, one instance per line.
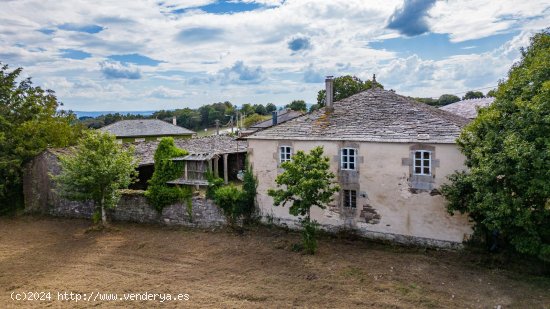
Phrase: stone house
x=140 y=130
x=390 y=155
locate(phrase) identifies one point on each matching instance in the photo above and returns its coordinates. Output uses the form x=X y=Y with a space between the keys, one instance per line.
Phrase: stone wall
x=135 y=208
x=40 y=197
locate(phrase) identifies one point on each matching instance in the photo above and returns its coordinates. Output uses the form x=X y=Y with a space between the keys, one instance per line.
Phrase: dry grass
x=256 y=269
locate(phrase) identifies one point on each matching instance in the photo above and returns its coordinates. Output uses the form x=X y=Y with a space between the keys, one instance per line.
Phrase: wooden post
x=210 y=166
x=225 y=169
x=185 y=170
x=216 y=166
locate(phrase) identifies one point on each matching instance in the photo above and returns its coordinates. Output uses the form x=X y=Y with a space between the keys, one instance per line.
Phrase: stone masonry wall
x=135 y=208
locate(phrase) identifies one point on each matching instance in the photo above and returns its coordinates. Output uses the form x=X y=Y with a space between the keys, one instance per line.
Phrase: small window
x=422 y=162
x=350 y=198
x=349 y=158
x=285 y=153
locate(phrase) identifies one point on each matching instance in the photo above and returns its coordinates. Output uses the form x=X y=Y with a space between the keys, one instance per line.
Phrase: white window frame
x=347 y=159
x=424 y=163
x=349 y=198
x=285 y=154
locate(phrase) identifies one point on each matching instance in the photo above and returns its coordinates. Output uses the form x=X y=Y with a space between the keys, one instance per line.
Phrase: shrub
x=159 y=193
x=250 y=184
x=214 y=183
x=231 y=200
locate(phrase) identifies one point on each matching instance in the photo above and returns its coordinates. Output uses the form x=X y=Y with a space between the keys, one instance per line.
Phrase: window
x=422 y=162
x=285 y=153
x=348 y=158
x=350 y=198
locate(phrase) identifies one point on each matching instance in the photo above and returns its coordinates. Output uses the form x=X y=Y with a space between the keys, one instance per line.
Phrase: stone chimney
x=274 y=117
x=174 y=121
x=329 y=95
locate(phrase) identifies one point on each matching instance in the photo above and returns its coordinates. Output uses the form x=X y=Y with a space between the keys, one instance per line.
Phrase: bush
x=250 y=184
x=214 y=183
x=310 y=230
x=159 y=193
x=231 y=200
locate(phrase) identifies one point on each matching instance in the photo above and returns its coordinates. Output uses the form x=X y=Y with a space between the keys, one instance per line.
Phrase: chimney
x=174 y=121
x=329 y=95
x=274 y=117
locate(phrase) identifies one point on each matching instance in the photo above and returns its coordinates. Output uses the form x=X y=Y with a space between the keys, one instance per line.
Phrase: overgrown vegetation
x=159 y=193
x=97 y=170
x=506 y=190
x=238 y=205
x=29 y=123
x=306 y=182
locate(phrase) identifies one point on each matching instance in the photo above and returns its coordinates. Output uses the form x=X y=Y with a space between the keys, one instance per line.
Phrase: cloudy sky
x=162 y=54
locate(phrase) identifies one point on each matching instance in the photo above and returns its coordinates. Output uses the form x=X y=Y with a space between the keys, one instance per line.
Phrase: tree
x=247 y=109
x=305 y=182
x=260 y=109
x=159 y=193
x=346 y=86
x=506 y=190
x=445 y=99
x=491 y=93
x=270 y=107
x=297 y=105
x=473 y=95
x=29 y=123
x=97 y=169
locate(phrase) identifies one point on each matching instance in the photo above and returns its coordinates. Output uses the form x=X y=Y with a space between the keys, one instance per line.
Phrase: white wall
x=384 y=180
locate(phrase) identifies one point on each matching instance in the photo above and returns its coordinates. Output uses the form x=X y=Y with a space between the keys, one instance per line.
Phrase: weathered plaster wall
x=386 y=206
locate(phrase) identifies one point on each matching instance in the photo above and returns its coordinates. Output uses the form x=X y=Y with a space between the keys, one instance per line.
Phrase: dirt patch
x=256 y=269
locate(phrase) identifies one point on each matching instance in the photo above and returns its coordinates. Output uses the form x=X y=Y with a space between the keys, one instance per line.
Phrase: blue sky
x=164 y=54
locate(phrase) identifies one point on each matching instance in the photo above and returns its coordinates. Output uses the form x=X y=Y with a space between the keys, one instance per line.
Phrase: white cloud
x=337 y=34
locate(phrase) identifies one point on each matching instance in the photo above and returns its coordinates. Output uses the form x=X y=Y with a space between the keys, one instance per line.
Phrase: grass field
x=256 y=269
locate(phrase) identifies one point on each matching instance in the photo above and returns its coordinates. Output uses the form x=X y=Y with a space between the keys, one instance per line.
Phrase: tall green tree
x=96 y=171
x=507 y=147
x=29 y=123
x=306 y=182
x=346 y=86
x=473 y=95
x=445 y=99
x=297 y=105
x=270 y=107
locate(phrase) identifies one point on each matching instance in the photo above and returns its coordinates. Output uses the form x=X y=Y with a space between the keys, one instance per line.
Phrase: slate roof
x=145 y=151
x=375 y=115
x=145 y=127
x=467 y=108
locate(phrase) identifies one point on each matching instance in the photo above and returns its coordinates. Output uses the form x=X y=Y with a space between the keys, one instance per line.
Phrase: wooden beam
x=225 y=169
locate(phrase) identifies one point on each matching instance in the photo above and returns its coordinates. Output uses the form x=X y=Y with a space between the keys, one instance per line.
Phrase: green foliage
x=96 y=171
x=473 y=95
x=214 y=183
x=260 y=109
x=231 y=201
x=270 y=107
x=507 y=149
x=253 y=119
x=346 y=86
x=29 y=123
x=250 y=184
x=310 y=229
x=491 y=93
x=159 y=193
x=445 y=99
x=306 y=182
x=297 y=105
